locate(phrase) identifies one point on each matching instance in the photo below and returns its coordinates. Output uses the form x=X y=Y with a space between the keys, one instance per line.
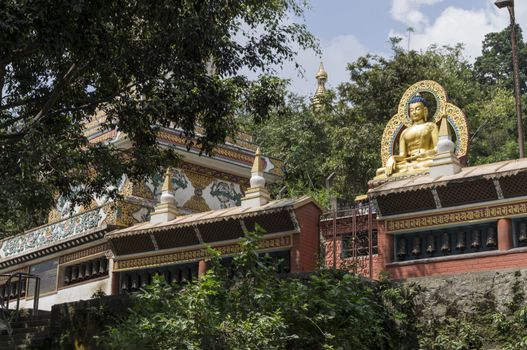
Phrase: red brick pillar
x=504 y=234
x=202 y=267
x=385 y=244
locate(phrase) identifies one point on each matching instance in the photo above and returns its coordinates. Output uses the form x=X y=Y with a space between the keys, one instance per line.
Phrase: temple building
x=426 y=213
x=163 y=226
x=432 y=215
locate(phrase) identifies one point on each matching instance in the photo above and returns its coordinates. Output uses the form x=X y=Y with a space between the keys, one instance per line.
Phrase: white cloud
x=521 y=15
x=336 y=54
x=407 y=11
x=455 y=25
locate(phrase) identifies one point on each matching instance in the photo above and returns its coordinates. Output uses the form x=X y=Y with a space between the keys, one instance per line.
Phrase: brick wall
x=359 y=264
x=306 y=244
x=496 y=260
x=504 y=258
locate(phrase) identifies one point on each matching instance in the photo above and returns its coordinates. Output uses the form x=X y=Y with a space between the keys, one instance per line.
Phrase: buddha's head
x=418 y=108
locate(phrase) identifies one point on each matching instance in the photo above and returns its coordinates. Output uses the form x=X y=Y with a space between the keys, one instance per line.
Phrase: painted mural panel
x=198 y=190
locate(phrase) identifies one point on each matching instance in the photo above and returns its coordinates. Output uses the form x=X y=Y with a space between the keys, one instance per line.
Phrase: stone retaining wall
x=470 y=293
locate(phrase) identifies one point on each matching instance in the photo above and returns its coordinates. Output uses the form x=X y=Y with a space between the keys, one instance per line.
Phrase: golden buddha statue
x=417 y=143
x=422 y=145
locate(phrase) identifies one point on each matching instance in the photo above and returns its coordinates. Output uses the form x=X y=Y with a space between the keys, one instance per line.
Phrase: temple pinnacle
x=167 y=184
x=322 y=77
x=257 y=164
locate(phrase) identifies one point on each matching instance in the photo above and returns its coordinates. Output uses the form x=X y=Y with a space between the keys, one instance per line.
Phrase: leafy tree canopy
x=144 y=64
x=494 y=66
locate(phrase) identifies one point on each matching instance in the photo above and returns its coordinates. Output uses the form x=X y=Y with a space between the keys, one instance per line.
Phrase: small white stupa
x=445 y=161
x=257 y=195
x=166 y=210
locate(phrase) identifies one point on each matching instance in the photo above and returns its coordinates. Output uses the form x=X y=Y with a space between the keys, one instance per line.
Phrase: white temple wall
x=74 y=293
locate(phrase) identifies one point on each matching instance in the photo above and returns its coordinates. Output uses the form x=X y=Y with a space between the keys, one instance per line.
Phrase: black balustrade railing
x=14 y=289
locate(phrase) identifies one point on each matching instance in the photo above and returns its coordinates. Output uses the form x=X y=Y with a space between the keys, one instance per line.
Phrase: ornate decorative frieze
x=195 y=254
x=52 y=233
x=120 y=213
x=226 y=193
x=457 y=216
x=84 y=253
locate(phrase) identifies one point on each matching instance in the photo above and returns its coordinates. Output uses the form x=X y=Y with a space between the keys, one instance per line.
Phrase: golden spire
x=167 y=184
x=258 y=162
x=322 y=77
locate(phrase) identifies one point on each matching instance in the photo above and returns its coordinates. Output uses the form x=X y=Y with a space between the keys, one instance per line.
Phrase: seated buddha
x=417 y=143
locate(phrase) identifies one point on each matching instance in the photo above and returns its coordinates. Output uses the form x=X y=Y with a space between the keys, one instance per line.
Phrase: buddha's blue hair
x=419 y=98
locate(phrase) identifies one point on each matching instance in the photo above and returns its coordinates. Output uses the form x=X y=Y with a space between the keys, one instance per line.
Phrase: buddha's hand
x=390 y=166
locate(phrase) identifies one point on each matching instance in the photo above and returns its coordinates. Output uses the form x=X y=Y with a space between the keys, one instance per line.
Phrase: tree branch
x=61 y=84
x=20 y=102
x=22 y=52
x=2 y=81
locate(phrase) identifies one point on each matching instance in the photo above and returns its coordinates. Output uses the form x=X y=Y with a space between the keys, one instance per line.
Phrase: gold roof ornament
x=419 y=138
x=258 y=165
x=167 y=183
x=443 y=129
x=322 y=77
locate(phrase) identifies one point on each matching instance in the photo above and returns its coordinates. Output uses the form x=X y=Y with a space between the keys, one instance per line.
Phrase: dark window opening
x=361 y=246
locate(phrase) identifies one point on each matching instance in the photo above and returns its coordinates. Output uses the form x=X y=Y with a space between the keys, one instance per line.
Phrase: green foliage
x=494 y=66
x=453 y=334
x=512 y=329
x=248 y=307
x=146 y=65
x=81 y=323
x=495 y=113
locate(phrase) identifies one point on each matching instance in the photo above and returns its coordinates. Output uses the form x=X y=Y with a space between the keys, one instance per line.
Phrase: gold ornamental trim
x=218 y=150
x=84 y=253
x=457 y=216
x=195 y=254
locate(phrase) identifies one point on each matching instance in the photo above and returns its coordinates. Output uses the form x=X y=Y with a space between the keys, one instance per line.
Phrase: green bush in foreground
x=249 y=307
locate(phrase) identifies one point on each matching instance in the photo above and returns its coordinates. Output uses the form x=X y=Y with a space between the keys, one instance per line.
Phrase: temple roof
x=486 y=171
x=472 y=185
x=234 y=156
x=213 y=227
x=213 y=216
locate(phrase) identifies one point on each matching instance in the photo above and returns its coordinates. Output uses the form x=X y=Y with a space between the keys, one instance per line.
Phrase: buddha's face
x=418 y=111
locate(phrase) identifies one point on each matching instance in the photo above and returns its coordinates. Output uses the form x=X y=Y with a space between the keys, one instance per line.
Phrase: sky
x=348 y=29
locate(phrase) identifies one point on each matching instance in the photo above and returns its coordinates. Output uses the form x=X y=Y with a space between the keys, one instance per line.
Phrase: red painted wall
x=306 y=244
x=506 y=257
x=501 y=259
